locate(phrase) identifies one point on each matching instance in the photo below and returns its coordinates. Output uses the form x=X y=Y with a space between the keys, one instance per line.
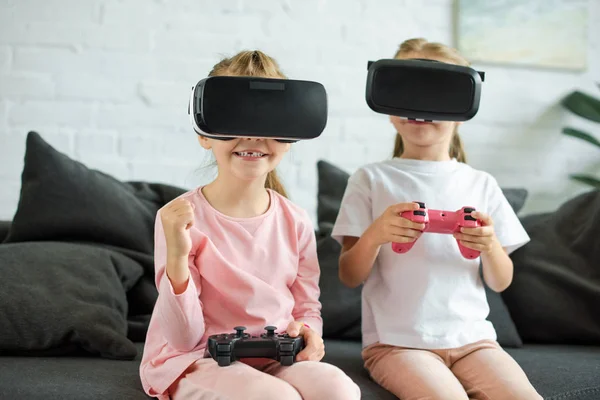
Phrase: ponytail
x=248 y=63
x=456 y=148
x=275 y=184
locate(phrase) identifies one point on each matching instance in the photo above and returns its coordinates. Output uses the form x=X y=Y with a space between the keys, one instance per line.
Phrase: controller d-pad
x=419 y=212
x=469 y=210
x=470 y=218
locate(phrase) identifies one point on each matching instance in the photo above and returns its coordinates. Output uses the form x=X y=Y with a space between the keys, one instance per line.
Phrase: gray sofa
x=558 y=372
x=549 y=319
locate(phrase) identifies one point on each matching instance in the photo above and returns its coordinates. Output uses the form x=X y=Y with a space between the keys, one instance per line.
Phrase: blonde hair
x=253 y=63
x=421 y=48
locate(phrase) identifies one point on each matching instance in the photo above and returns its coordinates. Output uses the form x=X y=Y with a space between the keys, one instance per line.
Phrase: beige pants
x=482 y=371
x=261 y=379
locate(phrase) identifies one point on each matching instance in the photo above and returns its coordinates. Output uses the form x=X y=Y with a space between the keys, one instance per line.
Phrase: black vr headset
x=226 y=107
x=423 y=89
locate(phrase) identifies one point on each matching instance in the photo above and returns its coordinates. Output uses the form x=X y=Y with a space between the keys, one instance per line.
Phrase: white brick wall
x=107 y=82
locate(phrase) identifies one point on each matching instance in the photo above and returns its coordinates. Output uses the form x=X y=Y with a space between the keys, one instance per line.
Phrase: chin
x=249 y=174
x=423 y=138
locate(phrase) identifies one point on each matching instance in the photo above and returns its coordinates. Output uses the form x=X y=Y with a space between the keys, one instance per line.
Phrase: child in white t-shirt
x=425 y=333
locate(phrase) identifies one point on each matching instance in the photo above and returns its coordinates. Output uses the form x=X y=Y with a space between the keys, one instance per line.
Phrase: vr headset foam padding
x=423 y=89
x=226 y=107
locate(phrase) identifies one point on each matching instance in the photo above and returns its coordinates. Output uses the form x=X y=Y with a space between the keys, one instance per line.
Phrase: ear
x=204 y=142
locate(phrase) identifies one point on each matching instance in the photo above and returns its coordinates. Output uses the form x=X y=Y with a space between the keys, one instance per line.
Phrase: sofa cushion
x=59 y=298
x=341 y=305
x=557 y=372
x=555 y=294
x=561 y=372
x=71 y=378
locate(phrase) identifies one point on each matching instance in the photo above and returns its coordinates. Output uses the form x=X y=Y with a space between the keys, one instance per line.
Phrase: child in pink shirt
x=237 y=252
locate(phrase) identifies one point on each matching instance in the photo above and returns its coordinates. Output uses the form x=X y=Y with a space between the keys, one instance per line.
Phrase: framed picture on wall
x=539 y=33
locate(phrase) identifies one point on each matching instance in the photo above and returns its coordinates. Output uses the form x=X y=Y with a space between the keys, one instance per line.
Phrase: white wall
x=107 y=82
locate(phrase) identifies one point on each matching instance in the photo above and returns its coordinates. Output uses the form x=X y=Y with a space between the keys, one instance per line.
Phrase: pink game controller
x=437 y=221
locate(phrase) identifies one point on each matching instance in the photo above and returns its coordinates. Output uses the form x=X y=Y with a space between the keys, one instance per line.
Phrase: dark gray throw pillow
x=62 y=298
x=555 y=294
x=342 y=306
x=61 y=199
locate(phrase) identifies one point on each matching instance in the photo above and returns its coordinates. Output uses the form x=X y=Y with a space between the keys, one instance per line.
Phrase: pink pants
x=265 y=380
x=482 y=371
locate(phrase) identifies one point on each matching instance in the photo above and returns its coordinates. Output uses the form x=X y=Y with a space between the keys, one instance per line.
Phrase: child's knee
x=277 y=391
x=338 y=385
x=523 y=393
x=514 y=392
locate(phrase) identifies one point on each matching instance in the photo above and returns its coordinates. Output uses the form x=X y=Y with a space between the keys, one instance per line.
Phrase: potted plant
x=588 y=107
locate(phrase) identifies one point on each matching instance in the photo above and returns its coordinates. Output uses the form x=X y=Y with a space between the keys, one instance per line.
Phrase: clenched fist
x=177 y=218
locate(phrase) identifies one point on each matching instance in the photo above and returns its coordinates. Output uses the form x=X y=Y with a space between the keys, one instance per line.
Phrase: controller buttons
x=286 y=347
x=287 y=360
x=470 y=218
x=469 y=209
x=421 y=204
x=223 y=347
x=418 y=212
x=223 y=361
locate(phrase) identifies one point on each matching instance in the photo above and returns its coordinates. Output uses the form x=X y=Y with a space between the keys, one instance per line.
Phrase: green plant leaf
x=586 y=179
x=583 y=105
x=581 y=135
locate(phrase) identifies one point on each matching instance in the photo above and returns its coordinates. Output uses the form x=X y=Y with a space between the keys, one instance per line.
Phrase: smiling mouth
x=252 y=154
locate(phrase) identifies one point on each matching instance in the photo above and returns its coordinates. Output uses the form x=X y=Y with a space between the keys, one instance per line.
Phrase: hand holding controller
x=228 y=347
x=444 y=222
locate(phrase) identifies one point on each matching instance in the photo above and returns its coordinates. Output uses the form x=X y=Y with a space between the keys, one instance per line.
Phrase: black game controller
x=227 y=347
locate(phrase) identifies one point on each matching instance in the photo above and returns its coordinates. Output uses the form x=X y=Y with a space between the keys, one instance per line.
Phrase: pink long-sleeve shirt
x=252 y=272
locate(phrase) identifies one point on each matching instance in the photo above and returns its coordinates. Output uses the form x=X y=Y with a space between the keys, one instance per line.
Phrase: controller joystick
x=270 y=330
x=239 y=331
x=229 y=347
x=444 y=222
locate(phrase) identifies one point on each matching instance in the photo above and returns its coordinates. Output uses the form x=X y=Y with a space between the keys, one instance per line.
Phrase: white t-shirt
x=430 y=297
